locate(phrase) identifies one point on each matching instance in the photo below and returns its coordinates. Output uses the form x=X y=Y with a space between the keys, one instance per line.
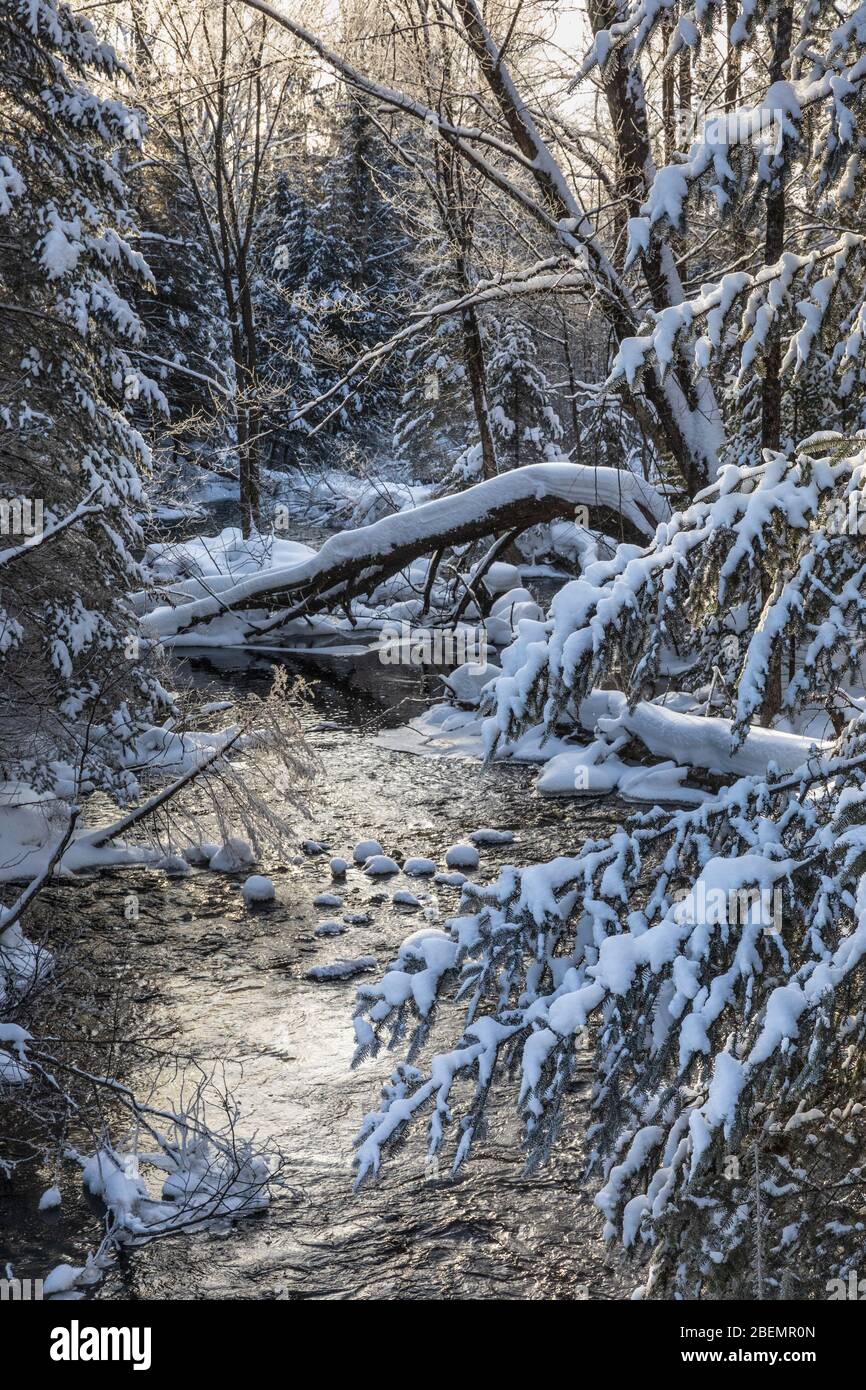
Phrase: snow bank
x=681 y=740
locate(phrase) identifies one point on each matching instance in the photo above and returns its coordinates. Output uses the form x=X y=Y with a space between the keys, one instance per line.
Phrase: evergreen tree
x=525 y=423
x=329 y=287
x=435 y=409
x=75 y=691
x=186 y=346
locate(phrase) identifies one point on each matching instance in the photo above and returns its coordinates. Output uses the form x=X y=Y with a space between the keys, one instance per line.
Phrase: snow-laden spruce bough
x=728 y=1054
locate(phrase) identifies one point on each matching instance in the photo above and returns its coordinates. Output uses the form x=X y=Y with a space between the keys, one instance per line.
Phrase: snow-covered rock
x=403 y=898
x=342 y=969
x=486 y=836
x=365 y=849
x=174 y=865
x=232 y=856
x=330 y=929
x=327 y=900
x=516 y=606
x=50 y=1199
x=258 y=889
x=200 y=854
x=61 y=1279
x=461 y=856
x=467 y=682
x=450 y=880
x=418 y=868
x=338 y=866
x=507 y=601
x=501 y=577
x=380 y=864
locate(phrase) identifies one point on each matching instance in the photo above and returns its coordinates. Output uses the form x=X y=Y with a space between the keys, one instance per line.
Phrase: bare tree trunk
x=476 y=369
x=635 y=167
x=771 y=389
x=669 y=115
x=686 y=121
x=572 y=380
x=459 y=228
x=732 y=70
x=248 y=456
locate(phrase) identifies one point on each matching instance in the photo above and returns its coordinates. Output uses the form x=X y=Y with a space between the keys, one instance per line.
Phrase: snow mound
x=501 y=577
x=338 y=866
x=174 y=865
x=226 y=556
x=509 y=599
x=50 y=1199
x=403 y=898
x=468 y=681
x=328 y=900
x=61 y=1279
x=698 y=741
x=200 y=855
x=452 y=880
x=330 y=929
x=596 y=770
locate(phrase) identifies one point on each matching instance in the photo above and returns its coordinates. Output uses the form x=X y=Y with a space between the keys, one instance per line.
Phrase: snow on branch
x=767 y=292
x=357 y=561
x=783 y=529
x=711 y=983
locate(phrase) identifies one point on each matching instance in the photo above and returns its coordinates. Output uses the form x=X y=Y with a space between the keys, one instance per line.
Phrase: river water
x=218 y=980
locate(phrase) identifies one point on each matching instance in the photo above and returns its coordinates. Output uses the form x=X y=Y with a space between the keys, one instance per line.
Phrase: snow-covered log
x=697 y=741
x=355 y=562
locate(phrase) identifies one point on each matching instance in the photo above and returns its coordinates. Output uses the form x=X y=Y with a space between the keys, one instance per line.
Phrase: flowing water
x=218 y=980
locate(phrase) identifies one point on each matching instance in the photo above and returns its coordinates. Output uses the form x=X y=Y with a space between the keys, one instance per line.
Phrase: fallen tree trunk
x=357 y=562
